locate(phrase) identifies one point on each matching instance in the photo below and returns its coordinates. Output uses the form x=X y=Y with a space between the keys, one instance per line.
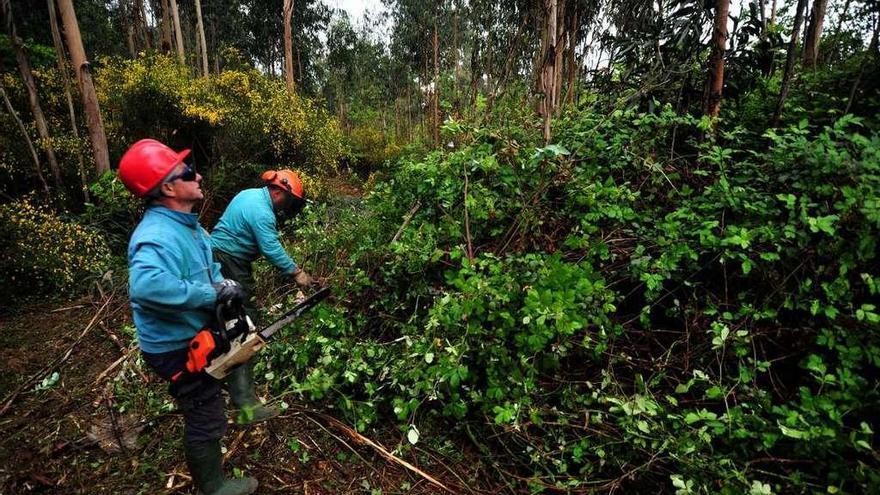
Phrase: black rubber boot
x=243 y=396
x=205 y=462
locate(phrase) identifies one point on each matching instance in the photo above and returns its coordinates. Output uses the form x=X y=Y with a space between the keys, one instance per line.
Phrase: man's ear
x=167 y=189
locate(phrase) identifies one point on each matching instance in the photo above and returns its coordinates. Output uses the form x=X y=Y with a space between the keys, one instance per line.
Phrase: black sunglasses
x=188 y=174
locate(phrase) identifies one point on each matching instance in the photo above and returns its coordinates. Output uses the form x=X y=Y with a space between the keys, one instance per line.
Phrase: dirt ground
x=103 y=424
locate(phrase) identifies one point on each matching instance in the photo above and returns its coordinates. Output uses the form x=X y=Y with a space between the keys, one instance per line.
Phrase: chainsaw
x=236 y=339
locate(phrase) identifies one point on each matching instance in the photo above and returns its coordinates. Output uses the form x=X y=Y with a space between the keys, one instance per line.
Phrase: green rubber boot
x=205 y=463
x=241 y=391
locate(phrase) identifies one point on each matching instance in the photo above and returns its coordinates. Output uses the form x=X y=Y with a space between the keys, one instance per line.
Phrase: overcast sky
x=356 y=8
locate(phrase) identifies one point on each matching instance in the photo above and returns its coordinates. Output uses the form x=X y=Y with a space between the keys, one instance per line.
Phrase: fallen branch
x=362 y=440
x=343 y=442
x=234 y=446
x=406 y=220
x=113 y=366
x=59 y=310
x=27 y=383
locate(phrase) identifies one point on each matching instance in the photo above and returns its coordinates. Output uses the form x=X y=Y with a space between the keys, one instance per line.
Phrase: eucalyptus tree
x=82 y=69
x=287 y=14
x=814 y=32
x=202 y=43
x=24 y=67
x=789 y=61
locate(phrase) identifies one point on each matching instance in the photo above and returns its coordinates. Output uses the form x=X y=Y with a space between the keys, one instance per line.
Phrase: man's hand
x=229 y=292
x=302 y=278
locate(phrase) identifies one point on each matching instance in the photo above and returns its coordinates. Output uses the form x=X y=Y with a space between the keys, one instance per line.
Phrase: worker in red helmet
x=174 y=287
x=246 y=231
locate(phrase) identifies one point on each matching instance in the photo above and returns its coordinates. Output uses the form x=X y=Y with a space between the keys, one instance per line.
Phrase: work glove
x=229 y=292
x=302 y=278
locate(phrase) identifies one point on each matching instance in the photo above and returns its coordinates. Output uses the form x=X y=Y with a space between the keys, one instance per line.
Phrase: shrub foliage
x=630 y=306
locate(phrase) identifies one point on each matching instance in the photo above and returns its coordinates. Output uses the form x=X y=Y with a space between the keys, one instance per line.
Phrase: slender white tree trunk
x=178 y=35
x=200 y=28
x=288 y=44
x=84 y=76
x=62 y=68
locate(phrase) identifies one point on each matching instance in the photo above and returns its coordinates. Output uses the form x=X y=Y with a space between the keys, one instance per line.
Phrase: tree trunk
x=142 y=24
x=166 y=27
x=475 y=68
x=62 y=68
x=288 y=44
x=573 y=32
x=124 y=20
x=773 y=13
x=84 y=76
x=299 y=64
x=872 y=46
x=456 y=73
x=716 y=64
x=548 y=69
x=214 y=49
x=134 y=15
x=200 y=32
x=814 y=33
x=24 y=67
x=27 y=139
x=178 y=35
x=561 y=27
x=436 y=102
x=789 y=61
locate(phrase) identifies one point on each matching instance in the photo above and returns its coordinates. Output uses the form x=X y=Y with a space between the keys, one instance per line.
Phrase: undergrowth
x=631 y=306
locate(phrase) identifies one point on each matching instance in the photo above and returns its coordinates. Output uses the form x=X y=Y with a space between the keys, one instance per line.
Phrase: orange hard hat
x=146 y=163
x=285 y=179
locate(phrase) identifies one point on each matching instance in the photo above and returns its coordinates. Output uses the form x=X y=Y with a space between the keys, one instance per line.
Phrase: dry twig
x=362 y=440
x=57 y=362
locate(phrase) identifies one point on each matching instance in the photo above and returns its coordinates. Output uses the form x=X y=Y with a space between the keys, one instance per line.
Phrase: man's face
x=185 y=185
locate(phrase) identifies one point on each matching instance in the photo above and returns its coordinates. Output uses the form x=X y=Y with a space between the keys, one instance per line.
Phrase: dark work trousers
x=198 y=397
x=242 y=272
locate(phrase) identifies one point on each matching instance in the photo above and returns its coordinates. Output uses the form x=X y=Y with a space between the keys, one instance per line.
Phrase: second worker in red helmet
x=246 y=231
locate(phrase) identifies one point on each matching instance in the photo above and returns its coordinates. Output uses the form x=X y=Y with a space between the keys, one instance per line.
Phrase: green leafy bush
x=632 y=304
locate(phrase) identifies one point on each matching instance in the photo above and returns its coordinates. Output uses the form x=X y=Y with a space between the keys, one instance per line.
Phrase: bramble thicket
x=568 y=266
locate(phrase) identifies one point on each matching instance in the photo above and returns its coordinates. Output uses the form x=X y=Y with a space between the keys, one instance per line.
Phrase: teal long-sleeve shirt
x=247 y=229
x=171 y=272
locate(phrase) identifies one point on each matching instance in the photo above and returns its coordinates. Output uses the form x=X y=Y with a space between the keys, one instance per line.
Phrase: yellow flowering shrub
x=237 y=115
x=42 y=253
x=370 y=147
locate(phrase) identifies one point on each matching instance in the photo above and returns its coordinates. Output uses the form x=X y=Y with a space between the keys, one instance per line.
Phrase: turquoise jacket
x=247 y=229
x=170 y=275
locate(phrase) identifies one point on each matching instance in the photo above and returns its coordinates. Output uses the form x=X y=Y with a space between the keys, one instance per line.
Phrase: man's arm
x=270 y=245
x=153 y=285
x=216 y=275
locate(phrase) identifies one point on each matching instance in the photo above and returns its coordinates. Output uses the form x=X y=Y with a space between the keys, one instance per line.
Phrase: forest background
x=576 y=245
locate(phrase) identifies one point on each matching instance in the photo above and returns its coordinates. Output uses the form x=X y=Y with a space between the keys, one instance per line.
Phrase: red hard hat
x=285 y=179
x=146 y=163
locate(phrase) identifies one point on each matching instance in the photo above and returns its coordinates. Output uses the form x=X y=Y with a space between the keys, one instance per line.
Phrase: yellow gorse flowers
x=40 y=251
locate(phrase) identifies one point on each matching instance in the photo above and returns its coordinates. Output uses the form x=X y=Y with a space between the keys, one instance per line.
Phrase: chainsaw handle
x=221 y=322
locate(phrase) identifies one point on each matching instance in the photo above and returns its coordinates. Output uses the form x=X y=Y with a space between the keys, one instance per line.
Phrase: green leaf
x=793 y=433
x=412 y=435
